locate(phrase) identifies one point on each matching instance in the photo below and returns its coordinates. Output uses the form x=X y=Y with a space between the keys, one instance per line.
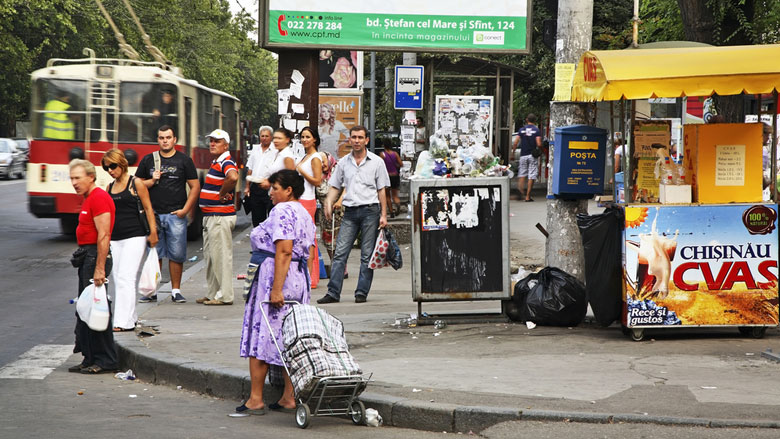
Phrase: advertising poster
x=337 y=114
x=465 y=120
x=649 y=132
x=341 y=70
x=498 y=27
x=647 y=186
x=701 y=265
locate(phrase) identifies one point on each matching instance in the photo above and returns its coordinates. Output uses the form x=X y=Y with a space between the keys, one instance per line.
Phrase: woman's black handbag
x=141 y=211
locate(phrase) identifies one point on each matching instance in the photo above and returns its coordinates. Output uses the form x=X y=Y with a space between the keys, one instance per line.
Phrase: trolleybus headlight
x=131 y=157
x=76 y=153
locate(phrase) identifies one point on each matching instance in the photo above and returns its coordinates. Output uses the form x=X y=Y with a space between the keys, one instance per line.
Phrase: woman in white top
x=284 y=158
x=310 y=168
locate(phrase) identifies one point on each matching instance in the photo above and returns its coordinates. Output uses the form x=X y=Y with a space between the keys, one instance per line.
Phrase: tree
x=31 y=32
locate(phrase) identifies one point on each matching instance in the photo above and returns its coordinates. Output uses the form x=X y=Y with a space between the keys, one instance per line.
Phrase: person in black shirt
x=128 y=237
x=168 y=190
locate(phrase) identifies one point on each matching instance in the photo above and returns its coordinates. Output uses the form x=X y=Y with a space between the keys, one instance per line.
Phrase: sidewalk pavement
x=467 y=377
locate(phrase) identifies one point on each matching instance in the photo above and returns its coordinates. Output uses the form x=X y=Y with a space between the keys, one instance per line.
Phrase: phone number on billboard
x=313 y=25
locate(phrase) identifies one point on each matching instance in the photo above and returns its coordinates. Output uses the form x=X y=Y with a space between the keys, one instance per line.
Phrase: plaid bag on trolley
x=315 y=347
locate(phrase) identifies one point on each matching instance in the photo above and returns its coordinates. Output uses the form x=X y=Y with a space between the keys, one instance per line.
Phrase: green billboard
x=430 y=26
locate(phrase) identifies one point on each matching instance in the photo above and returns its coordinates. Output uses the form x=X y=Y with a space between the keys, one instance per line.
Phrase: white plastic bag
x=379 y=255
x=92 y=307
x=150 y=274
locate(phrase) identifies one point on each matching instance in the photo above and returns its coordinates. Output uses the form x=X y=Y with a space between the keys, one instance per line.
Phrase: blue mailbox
x=580 y=158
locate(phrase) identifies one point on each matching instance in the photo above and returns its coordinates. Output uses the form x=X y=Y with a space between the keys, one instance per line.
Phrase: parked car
x=12 y=161
x=23 y=145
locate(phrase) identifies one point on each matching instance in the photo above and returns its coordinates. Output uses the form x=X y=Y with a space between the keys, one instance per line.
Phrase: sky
x=251 y=6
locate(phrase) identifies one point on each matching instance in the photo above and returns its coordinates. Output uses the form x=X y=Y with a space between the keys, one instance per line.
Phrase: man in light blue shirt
x=363 y=178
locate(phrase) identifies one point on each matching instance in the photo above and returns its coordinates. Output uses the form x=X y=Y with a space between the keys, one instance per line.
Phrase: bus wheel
x=68 y=224
x=195 y=230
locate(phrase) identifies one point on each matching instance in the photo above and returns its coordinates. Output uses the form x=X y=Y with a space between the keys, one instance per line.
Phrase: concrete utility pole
x=564 y=245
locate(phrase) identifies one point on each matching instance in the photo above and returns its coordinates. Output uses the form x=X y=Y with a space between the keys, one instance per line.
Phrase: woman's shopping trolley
x=325 y=376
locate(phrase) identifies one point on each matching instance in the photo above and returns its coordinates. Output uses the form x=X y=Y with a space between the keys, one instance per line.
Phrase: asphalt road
x=37 y=279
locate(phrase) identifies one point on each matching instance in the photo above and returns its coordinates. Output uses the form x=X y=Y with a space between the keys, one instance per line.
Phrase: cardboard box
x=675 y=193
x=723 y=162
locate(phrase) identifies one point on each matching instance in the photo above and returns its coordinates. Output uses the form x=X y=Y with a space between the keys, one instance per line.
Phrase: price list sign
x=729 y=165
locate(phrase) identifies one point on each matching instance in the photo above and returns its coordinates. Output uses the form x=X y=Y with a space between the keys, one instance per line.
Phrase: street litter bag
x=601 y=239
x=150 y=274
x=551 y=297
x=92 y=307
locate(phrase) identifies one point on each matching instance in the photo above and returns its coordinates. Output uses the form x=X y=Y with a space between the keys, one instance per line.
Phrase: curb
x=231 y=383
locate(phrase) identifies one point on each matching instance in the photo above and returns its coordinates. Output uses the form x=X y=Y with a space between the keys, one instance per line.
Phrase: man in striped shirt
x=219 y=218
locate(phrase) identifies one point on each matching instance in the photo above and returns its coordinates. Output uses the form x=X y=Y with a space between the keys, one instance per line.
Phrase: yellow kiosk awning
x=608 y=75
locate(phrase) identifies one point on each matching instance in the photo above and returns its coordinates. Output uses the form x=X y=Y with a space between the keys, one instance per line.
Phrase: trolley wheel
x=302 y=416
x=753 y=331
x=637 y=334
x=357 y=412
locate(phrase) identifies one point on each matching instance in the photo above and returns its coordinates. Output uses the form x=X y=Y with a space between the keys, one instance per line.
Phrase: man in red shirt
x=219 y=218
x=93 y=260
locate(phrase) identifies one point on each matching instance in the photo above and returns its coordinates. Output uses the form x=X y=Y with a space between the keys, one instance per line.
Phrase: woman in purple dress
x=280 y=246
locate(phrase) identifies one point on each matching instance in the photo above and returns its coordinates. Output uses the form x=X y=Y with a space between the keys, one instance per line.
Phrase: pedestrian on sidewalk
x=128 y=237
x=529 y=138
x=310 y=168
x=166 y=174
x=393 y=165
x=280 y=247
x=219 y=219
x=285 y=158
x=93 y=260
x=259 y=169
x=363 y=178
x=329 y=228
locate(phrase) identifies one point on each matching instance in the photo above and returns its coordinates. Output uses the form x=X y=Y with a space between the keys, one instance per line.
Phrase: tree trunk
x=698 y=21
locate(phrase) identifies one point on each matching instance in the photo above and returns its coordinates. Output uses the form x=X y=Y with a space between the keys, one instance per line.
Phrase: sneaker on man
x=178 y=298
x=148 y=299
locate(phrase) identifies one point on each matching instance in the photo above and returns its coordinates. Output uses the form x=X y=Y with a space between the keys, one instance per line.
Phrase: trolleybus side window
x=144 y=107
x=58 y=109
x=205 y=118
x=229 y=118
x=187 y=135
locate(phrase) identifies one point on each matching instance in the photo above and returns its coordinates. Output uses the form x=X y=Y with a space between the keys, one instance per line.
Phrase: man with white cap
x=219 y=218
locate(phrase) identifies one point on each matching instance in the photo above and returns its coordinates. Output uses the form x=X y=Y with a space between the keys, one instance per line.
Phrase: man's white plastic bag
x=379 y=255
x=150 y=274
x=92 y=307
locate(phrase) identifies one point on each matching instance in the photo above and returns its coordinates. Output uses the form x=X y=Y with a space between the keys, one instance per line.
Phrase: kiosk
x=712 y=262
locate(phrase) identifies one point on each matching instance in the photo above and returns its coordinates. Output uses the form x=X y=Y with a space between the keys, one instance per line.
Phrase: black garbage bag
x=601 y=239
x=551 y=297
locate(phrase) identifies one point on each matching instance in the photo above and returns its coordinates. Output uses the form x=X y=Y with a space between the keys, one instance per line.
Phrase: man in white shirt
x=258 y=168
x=363 y=178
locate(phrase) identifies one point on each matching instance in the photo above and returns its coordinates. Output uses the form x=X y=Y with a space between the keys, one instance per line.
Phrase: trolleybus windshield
x=59 y=109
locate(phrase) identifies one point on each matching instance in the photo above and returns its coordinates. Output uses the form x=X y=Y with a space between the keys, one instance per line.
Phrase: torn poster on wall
x=435 y=209
x=464 y=209
x=440 y=208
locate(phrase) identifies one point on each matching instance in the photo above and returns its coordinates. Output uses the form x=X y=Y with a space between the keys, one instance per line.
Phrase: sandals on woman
x=118 y=329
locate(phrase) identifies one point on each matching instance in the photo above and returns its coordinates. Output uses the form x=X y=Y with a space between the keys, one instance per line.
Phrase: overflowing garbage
x=472 y=161
x=550 y=297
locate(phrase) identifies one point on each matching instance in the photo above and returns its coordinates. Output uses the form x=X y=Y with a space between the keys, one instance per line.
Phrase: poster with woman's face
x=341 y=69
x=337 y=114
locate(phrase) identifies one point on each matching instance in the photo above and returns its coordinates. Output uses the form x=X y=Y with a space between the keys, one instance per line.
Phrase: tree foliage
x=201 y=36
